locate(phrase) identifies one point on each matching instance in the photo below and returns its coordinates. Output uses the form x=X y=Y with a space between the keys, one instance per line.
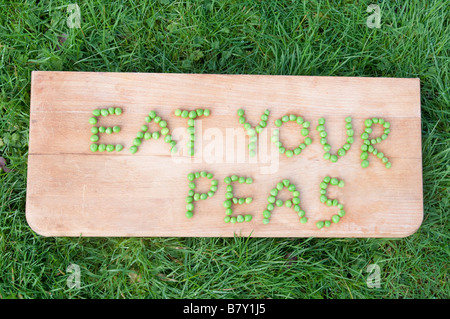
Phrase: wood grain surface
x=74 y=192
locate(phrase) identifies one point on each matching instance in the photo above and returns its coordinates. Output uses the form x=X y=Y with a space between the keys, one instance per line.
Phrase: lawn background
x=323 y=38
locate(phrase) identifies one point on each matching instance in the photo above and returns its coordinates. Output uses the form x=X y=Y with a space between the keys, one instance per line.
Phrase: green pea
x=147 y=135
x=102 y=148
x=292 y=117
x=227 y=219
x=303 y=220
x=240 y=112
x=241 y=200
x=282 y=150
x=117 y=111
x=104 y=112
x=289 y=153
x=278 y=122
x=189 y=214
x=364 y=136
x=270 y=207
x=111 y=110
x=285 y=118
x=364 y=163
x=249 y=180
x=248 y=217
x=350 y=140
x=333 y=158
x=189 y=206
x=304 y=132
x=368 y=123
x=96 y=112
x=133 y=149
x=265 y=221
x=110 y=147
x=327 y=156
x=300 y=120
x=144 y=128
x=280 y=186
x=320 y=224
x=227 y=203
x=116 y=129
x=341 y=213
x=191 y=176
x=137 y=141
x=271 y=199
x=148 y=119
x=341 y=183
x=388 y=165
x=274 y=192
x=203 y=196
x=321 y=121
x=184 y=113
x=156 y=135
x=297 y=151
x=327 y=223
x=301 y=212
x=157 y=119
x=308 y=141
x=266 y=214
x=323 y=198
x=93 y=120
x=94 y=138
x=109 y=130
x=94 y=147
x=240 y=218
x=196 y=195
x=341 y=152
x=206 y=112
x=348 y=119
x=94 y=130
x=279 y=202
x=288 y=203
x=233 y=219
x=335 y=219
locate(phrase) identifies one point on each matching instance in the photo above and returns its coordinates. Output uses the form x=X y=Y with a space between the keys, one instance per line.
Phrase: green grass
x=229 y=37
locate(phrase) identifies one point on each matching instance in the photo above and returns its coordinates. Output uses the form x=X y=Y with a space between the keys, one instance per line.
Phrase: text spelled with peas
x=253 y=132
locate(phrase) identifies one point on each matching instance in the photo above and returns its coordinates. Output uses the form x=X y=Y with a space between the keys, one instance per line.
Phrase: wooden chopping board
x=73 y=191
